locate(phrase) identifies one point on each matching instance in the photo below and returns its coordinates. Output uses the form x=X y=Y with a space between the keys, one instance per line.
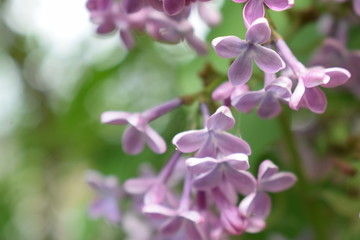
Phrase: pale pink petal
x=338 y=76
x=222 y=119
x=247 y=101
x=278 y=182
x=267 y=169
x=270 y=107
x=201 y=165
x=229 y=46
x=267 y=59
x=243 y=181
x=116 y=118
x=279 y=5
x=237 y=161
x=297 y=96
x=190 y=141
x=255 y=225
x=229 y=144
x=256 y=204
x=315 y=100
x=223 y=91
x=253 y=10
x=154 y=140
x=208 y=180
x=259 y=31
x=241 y=69
x=133 y=140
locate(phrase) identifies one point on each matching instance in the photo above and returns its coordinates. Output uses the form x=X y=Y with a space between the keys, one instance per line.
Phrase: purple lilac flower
x=334 y=54
x=211 y=172
x=232 y=219
x=307 y=92
x=111 y=15
x=267 y=99
x=108 y=194
x=267 y=59
x=181 y=218
x=258 y=203
x=254 y=9
x=212 y=139
x=226 y=91
x=174 y=29
x=154 y=188
x=139 y=132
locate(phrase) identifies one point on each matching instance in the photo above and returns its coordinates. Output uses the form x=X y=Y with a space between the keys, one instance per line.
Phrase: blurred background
x=56 y=78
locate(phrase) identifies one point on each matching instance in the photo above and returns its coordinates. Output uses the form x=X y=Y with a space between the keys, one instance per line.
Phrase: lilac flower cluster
x=213 y=177
x=220 y=197
x=165 y=21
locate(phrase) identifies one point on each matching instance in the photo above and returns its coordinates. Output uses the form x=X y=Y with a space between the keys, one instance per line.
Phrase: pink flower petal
x=154 y=140
x=133 y=140
x=241 y=69
x=229 y=46
x=259 y=31
x=190 y=141
x=267 y=59
x=201 y=165
x=247 y=101
x=338 y=76
x=229 y=144
x=116 y=118
x=278 y=182
x=253 y=10
x=315 y=100
x=279 y=5
x=222 y=119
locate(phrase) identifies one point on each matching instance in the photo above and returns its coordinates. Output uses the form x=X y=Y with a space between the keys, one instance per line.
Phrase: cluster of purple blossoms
x=214 y=178
x=220 y=197
x=165 y=21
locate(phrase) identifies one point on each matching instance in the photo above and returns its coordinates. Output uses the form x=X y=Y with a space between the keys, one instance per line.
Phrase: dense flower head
x=209 y=193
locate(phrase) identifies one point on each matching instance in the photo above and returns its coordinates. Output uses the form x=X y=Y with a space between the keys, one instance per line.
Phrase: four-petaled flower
x=212 y=139
x=258 y=203
x=139 y=132
x=267 y=59
x=211 y=172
